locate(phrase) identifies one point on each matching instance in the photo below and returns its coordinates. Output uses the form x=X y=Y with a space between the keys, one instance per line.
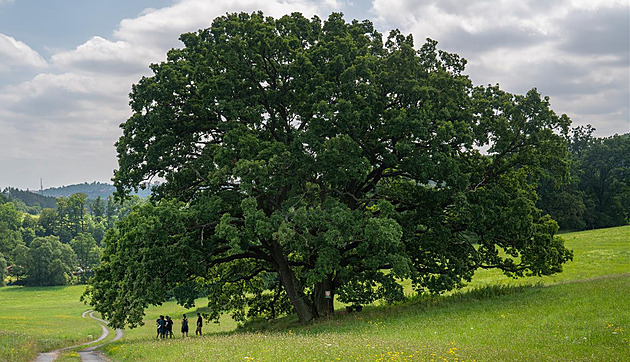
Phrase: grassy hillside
x=576 y=321
x=581 y=315
x=596 y=253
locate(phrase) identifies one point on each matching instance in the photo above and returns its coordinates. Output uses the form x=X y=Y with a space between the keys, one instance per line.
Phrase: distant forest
x=30 y=199
x=92 y=190
x=42 y=244
x=33 y=202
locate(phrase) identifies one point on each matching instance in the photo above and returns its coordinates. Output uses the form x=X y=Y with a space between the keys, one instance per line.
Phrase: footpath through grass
x=41 y=319
x=582 y=314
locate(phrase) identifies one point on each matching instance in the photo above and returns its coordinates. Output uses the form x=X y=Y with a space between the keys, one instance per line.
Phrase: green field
x=42 y=319
x=582 y=314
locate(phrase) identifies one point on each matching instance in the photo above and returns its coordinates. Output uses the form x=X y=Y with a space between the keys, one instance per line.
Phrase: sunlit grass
x=582 y=314
x=596 y=253
x=33 y=320
x=574 y=321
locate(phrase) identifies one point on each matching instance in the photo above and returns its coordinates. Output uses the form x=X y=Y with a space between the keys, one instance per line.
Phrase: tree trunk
x=323 y=305
x=291 y=284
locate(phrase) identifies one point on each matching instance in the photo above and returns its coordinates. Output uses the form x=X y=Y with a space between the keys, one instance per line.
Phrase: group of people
x=165 y=326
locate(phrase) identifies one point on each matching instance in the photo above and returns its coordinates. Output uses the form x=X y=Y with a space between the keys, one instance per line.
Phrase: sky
x=67 y=66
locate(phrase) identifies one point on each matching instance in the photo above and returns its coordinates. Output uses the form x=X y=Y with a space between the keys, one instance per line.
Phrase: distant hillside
x=30 y=198
x=35 y=200
x=92 y=190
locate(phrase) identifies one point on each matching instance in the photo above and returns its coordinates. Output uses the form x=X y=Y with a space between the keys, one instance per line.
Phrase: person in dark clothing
x=161 y=326
x=199 y=324
x=184 y=327
x=169 y=327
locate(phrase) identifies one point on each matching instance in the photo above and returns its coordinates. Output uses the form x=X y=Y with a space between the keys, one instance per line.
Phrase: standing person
x=169 y=327
x=161 y=326
x=184 y=327
x=199 y=324
x=157 y=323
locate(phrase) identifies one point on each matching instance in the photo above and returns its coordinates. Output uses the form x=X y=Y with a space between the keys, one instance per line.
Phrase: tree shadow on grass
x=346 y=321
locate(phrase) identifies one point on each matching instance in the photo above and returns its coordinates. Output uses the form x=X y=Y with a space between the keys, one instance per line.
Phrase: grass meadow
x=582 y=314
x=42 y=319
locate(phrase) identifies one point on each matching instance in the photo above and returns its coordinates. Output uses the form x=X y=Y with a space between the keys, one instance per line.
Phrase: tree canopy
x=605 y=181
x=305 y=158
x=46 y=262
x=69 y=226
x=596 y=193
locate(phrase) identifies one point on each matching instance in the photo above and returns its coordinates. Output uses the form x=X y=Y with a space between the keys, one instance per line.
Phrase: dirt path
x=89 y=354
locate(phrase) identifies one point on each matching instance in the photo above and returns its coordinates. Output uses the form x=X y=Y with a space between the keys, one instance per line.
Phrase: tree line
x=27 y=201
x=58 y=245
x=595 y=193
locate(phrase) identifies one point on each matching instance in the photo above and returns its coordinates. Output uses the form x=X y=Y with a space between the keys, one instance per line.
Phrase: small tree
x=10 y=230
x=87 y=253
x=3 y=271
x=46 y=262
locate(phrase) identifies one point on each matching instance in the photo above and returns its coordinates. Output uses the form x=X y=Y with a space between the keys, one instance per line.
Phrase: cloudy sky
x=67 y=66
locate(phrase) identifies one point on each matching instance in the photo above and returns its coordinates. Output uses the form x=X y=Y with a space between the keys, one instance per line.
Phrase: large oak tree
x=301 y=157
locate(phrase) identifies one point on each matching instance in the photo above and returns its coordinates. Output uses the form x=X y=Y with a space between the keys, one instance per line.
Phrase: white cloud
x=575 y=51
x=598 y=4
x=69 y=115
x=449 y=19
x=65 y=119
x=101 y=55
x=161 y=28
x=14 y=53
